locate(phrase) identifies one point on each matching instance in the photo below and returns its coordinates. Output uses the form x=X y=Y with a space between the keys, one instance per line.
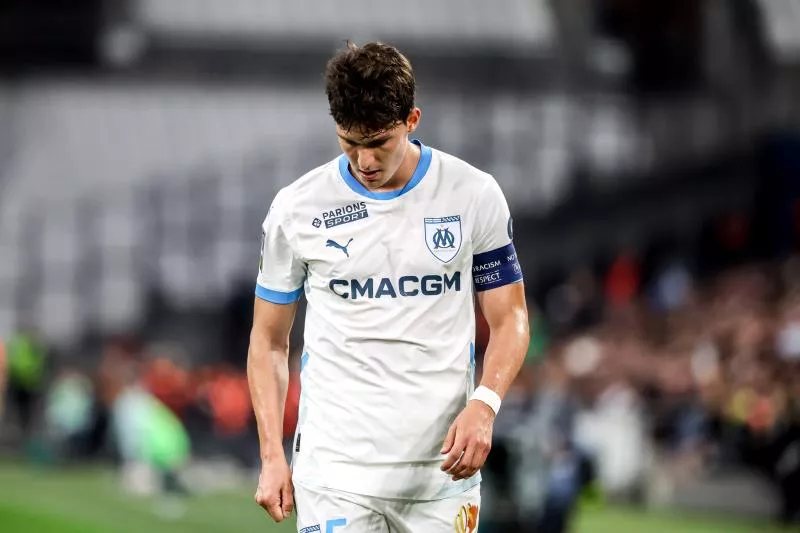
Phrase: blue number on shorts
x=330 y=524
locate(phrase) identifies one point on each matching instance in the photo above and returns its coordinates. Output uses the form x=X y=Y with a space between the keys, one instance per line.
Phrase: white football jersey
x=388 y=359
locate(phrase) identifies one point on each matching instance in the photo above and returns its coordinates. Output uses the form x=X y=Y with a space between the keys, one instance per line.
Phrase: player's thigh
x=327 y=511
x=458 y=513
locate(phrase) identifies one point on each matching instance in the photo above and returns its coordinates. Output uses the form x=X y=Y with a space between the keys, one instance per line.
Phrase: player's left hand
x=468 y=440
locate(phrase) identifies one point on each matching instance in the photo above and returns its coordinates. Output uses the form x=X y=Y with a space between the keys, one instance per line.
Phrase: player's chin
x=375 y=183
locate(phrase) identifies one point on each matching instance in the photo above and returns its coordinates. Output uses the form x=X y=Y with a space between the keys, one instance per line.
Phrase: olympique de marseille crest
x=443 y=237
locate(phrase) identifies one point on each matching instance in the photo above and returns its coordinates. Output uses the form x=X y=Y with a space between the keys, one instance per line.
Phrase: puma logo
x=333 y=244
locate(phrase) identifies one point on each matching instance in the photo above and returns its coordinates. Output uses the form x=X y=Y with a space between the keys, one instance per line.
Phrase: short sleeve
x=280 y=272
x=492 y=228
x=494 y=260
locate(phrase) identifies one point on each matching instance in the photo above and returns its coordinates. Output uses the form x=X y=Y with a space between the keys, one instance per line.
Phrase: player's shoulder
x=305 y=189
x=468 y=175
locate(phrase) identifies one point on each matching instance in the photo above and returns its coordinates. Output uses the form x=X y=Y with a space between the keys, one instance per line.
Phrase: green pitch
x=88 y=501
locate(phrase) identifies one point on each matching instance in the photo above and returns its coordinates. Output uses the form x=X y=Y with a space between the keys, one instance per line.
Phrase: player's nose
x=366 y=160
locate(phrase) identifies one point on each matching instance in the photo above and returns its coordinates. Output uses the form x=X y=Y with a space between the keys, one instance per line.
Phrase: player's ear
x=413 y=119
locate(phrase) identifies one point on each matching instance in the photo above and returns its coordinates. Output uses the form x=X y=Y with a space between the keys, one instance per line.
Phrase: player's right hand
x=275 y=491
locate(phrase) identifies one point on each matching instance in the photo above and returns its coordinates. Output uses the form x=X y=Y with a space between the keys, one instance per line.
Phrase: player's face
x=379 y=160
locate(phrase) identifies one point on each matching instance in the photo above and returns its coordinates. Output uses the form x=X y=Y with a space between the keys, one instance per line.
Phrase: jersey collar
x=419 y=173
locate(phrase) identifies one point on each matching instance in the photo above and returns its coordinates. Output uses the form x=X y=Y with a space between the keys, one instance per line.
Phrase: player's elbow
x=266 y=359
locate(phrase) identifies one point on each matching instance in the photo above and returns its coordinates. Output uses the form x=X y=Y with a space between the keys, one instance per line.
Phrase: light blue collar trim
x=422 y=169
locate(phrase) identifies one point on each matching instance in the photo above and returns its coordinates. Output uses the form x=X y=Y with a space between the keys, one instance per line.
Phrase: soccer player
x=390 y=243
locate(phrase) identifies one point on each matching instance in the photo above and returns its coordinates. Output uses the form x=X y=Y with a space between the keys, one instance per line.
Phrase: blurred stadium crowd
x=637 y=386
x=651 y=155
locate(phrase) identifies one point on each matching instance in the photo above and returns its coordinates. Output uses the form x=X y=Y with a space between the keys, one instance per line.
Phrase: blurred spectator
x=68 y=414
x=786 y=456
x=613 y=431
x=165 y=378
x=229 y=399
x=572 y=304
x=220 y=417
x=672 y=286
x=151 y=440
x=533 y=477
x=26 y=373
x=787 y=342
x=622 y=280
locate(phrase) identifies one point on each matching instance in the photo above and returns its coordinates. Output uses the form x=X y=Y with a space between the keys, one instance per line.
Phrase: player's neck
x=406 y=170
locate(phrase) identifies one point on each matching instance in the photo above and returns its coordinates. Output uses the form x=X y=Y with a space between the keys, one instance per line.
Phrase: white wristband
x=487 y=396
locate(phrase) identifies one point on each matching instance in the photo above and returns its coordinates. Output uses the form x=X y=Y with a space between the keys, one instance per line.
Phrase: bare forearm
x=508 y=344
x=268 y=376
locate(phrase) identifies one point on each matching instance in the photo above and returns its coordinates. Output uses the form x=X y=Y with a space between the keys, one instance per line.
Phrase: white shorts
x=331 y=511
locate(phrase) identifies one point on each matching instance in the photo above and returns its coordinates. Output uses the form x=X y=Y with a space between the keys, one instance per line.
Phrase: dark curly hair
x=370 y=87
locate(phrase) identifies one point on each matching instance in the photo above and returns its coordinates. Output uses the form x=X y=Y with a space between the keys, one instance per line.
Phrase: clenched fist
x=274 y=492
